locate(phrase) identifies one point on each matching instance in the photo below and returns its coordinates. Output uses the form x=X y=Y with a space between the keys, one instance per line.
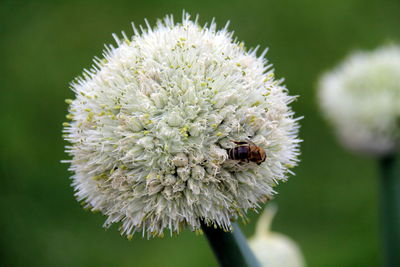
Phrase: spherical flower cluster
x=361 y=98
x=274 y=249
x=153 y=121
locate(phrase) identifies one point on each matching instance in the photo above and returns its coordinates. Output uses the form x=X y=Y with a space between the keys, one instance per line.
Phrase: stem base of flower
x=390 y=209
x=230 y=248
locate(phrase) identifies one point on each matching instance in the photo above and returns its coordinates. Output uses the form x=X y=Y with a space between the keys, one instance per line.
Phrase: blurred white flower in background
x=361 y=98
x=152 y=122
x=274 y=249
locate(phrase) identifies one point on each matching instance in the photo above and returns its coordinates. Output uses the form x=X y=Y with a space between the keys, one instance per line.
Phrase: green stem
x=230 y=248
x=390 y=208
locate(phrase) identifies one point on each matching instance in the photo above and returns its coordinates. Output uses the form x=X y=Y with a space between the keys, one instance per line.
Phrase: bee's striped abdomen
x=239 y=153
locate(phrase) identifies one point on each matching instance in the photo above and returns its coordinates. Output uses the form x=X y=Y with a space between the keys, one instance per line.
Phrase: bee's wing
x=250 y=143
x=240 y=142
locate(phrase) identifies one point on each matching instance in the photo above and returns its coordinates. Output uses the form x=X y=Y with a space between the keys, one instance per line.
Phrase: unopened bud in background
x=274 y=249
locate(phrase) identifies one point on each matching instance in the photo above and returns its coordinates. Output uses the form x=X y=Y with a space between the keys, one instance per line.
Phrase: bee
x=247 y=151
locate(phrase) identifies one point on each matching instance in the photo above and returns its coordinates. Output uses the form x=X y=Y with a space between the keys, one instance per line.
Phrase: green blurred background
x=330 y=207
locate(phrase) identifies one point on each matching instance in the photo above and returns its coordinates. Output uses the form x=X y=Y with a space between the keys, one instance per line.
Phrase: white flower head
x=274 y=249
x=153 y=121
x=361 y=98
